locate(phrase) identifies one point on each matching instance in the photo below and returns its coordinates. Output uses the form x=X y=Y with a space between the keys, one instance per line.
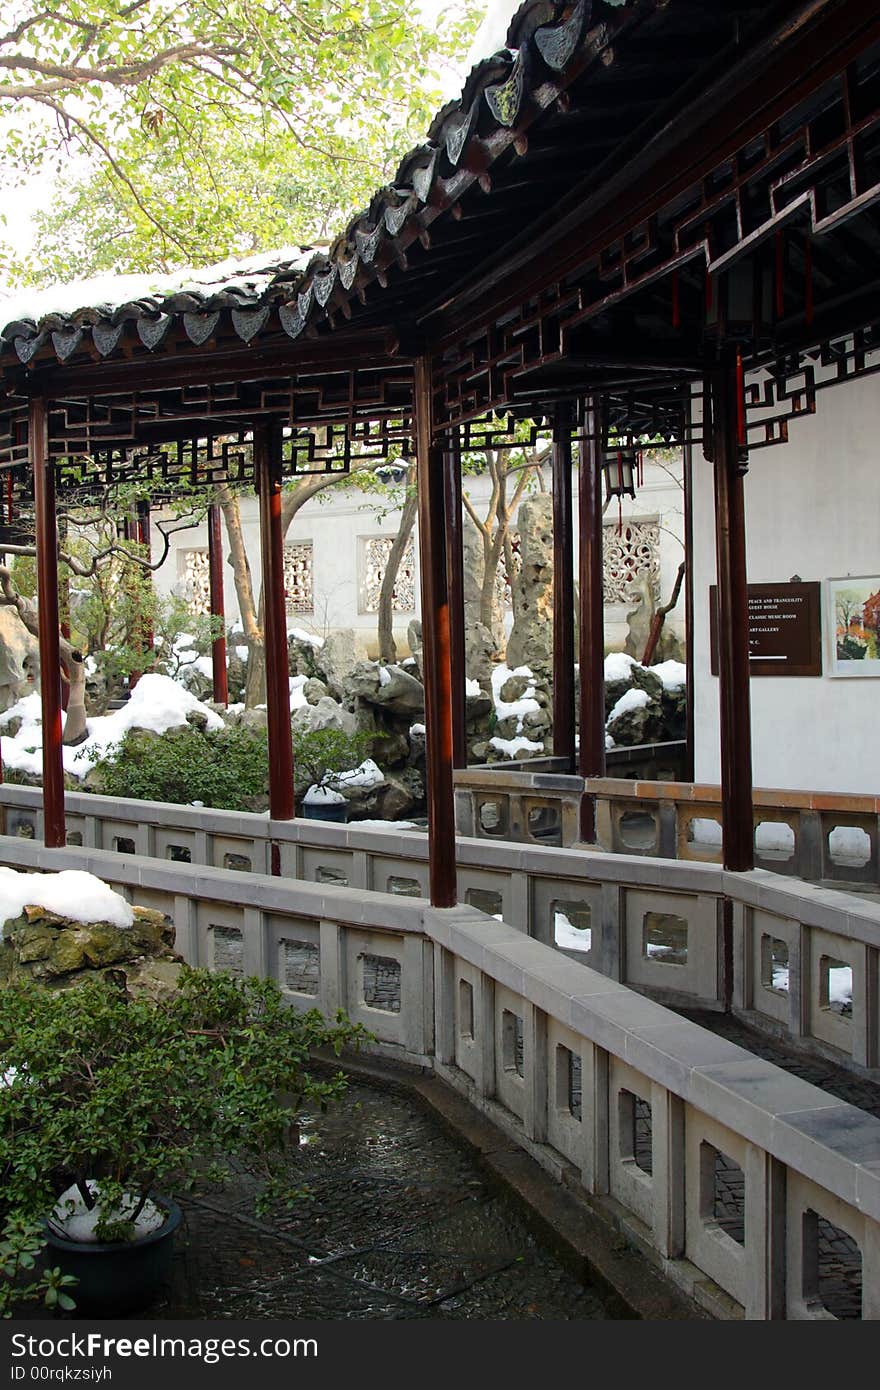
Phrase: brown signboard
x=784 y=630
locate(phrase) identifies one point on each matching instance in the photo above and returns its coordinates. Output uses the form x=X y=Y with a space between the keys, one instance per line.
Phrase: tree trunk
x=252 y=616
x=255 y=689
x=387 y=644
x=75 y=728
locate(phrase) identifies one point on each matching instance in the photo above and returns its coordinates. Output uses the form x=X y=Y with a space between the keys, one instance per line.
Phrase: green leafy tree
x=211 y=129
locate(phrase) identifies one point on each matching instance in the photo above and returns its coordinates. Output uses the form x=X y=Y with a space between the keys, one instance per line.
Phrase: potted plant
x=323 y=760
x=112 y=1103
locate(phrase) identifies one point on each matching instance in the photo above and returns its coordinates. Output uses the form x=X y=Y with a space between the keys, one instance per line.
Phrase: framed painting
x=853 y=609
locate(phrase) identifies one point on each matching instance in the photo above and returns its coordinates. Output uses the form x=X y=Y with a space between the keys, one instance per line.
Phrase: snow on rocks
x=157 y=704
x=632 y=699
x=297 y=693
x=71 y=893
x=618 y=666
x=515 y=747
x=673 y=674
x=366 y=774
x=308 y=639
x=519 y=708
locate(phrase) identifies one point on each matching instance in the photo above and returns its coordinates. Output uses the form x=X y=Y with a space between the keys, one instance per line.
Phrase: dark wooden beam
x=807 y=45
x=563 y=587
x=276 y=358
x=54 y=832
x=591 y=748
x=733 y=617
x=267 y=466
x=437 y=665
x=455 y=573
x=218 y=606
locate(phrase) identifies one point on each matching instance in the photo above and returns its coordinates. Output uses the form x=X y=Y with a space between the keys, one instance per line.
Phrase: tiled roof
x=550 y=44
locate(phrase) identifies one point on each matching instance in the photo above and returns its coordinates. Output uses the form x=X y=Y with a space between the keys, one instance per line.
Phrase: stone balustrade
x=757 y=1193
x=816 y=836
x=808 y=835
x=537 y=801
x=796 y=960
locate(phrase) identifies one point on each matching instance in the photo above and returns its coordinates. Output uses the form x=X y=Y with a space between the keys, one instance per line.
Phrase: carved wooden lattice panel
x=299 y=594
x=630 y=556
x=196 y=581
x=375 y=558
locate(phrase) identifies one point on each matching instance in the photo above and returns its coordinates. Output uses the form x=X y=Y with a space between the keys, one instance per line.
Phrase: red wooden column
x=455 y=572
x=688 y=489
x=591 y=654
x=63 y=604
x=730 y=458
x=54 y=834
x=563 y=588
x=143 y=535
x=218 y=608
x=436 y=657
x=267 y=471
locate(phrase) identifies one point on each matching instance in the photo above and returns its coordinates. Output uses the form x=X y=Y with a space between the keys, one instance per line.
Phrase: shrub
x=319 y=755
x=224 y=768
x=139 y=1096
x=227 y=769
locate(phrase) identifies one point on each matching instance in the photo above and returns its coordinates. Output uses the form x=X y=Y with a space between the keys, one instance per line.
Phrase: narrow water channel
x=401 y=1223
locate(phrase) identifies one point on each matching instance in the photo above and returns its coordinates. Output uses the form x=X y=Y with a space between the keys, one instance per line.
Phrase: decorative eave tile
x=348 y=271
x=199 y=327
x=27 y=348
x=107 y=337
x=152 y=331
x=505 y=100
x=249 y=322
x=368 y=242
x=66 y=341
x=323 y=284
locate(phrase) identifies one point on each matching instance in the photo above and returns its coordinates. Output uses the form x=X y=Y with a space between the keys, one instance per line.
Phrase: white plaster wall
x=336 y=521
x=334 y=527
x=812 y=509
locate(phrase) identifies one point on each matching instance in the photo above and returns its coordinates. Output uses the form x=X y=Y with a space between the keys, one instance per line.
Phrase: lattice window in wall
x=196 y=581
x=376 y=550
x=298 y=592
x=631 y=555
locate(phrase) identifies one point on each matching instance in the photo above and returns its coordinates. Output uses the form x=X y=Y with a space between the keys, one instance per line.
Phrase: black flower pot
x=335 y=811
x=119 y=1277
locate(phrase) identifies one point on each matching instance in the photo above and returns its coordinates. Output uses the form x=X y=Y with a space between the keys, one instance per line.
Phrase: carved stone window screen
x=629 y=558
x=299 y=595
x=376 y=550
x=196 y=581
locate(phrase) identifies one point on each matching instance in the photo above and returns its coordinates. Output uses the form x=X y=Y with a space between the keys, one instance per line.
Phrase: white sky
x=21 y=203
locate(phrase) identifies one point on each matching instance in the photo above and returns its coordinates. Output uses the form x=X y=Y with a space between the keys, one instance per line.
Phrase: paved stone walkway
x=401 y=1224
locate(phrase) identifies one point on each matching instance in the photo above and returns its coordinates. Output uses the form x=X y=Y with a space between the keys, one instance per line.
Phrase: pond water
x=401 y=1223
